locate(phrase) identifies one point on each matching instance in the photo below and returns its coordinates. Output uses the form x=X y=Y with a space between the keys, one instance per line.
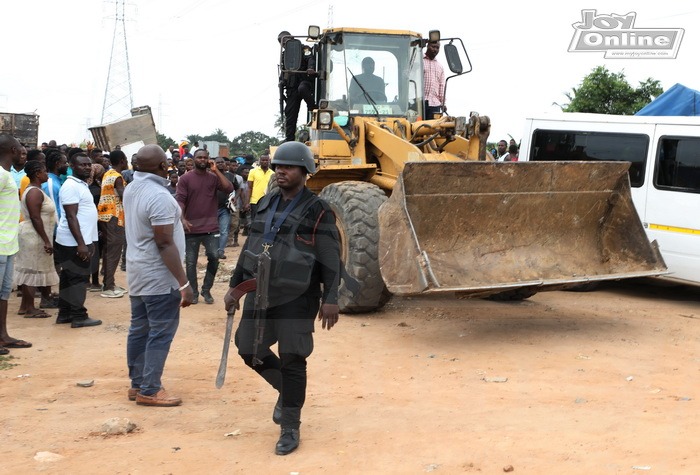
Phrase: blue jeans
x=7 y=266
x=211 y=244
x=224 y=226
x=154 y=321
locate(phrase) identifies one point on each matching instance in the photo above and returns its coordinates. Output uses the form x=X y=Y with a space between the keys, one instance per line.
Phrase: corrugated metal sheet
x=25 y=127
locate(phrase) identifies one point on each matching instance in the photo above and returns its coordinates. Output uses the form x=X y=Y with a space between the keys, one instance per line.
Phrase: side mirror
x=452 y=56
x=292 y=55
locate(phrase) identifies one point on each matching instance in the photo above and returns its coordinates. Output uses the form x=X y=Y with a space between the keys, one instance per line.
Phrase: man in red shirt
x=196 y=195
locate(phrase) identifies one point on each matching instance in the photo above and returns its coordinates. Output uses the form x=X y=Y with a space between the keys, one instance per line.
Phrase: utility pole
x=118 y=100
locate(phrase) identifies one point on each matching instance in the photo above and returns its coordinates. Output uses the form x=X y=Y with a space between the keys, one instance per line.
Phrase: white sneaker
x=120 y=289
x=111 y=294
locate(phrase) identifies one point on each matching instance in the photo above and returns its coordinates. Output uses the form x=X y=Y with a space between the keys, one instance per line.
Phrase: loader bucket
x=482 y=228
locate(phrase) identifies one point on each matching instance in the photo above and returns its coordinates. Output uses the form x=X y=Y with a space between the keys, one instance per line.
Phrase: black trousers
x=112 y=236
x=74 y=278
x=304 y=92
x=431 y=111
x=291 y=326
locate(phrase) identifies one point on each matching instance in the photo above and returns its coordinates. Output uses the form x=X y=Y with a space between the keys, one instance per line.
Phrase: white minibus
x=664 y=173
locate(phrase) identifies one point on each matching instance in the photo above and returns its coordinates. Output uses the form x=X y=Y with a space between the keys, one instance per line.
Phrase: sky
x=202 y=65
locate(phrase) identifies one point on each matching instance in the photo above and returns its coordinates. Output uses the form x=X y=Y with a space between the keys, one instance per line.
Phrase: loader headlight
x=325 y=120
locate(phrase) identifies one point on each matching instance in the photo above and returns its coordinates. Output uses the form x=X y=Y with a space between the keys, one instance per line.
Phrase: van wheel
x=356 y=205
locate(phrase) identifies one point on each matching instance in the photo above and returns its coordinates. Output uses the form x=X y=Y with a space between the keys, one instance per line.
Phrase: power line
x=118 y=99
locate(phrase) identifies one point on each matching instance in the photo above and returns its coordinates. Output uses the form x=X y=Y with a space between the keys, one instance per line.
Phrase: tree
x=252 y=143
x=217 y=136
x=279 y=125
x=605 y=92
x=192 y=138
x=164 y=141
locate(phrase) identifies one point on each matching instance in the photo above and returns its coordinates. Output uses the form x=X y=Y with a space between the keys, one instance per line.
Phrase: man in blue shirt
x=17 y=168
x=57 y=165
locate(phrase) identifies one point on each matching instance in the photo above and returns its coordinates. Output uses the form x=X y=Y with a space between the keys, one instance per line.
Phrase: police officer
x=298 y=231
x=298 y=88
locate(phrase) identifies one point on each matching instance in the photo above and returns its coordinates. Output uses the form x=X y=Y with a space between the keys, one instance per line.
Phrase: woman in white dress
x=34 y=266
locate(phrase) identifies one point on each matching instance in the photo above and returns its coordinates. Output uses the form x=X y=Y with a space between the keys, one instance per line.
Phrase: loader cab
x=365 y=72
x=373 y=72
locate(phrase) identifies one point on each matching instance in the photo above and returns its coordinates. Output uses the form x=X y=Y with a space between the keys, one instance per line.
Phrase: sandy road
x=598 y=382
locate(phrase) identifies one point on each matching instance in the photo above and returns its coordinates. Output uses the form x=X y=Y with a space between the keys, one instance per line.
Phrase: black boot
x=290 y=420
x=289 y=441
x=277 y=412
x=84 y=322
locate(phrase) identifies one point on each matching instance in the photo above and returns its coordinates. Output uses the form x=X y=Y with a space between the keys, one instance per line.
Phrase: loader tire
x=272 y=185
x=587 y=287
x=514 y=295
x=356 y=205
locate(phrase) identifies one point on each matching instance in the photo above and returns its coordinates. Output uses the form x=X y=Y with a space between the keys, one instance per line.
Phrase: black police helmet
x=294 y=153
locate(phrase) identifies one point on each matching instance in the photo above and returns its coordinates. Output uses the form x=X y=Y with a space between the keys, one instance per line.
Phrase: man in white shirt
x=76 y=241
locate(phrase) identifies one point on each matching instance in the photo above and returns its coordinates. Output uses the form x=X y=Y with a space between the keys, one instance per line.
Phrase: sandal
x=16 y=344
x=37 y=314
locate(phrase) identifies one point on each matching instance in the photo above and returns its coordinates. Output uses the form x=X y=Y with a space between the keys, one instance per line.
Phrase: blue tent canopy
x=678 y=100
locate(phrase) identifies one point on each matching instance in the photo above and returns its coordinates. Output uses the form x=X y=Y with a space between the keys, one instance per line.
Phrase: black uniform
x=305 y=271
x=298 y=87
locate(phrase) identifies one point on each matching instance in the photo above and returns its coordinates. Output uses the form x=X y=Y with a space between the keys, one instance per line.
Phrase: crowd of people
x=68 y=216
x=506 y=151
x=70 y=228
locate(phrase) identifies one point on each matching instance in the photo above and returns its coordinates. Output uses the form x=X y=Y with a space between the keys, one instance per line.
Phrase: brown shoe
x=161 y=399
x=131 y=394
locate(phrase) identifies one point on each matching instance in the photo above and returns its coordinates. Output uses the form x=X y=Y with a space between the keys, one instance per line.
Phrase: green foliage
x=248 y=143
x=164 y=141
x=253 y=143
x=604 y=92
x=192 y=138
x=217 y=136
x=279 y=125
x=6 y=363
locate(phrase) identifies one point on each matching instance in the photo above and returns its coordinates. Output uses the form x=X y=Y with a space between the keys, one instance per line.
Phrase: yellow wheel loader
x=423 y=208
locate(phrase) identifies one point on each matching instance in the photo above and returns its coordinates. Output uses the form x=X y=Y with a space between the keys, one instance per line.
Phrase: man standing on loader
x=297 y=87
x=433 y=81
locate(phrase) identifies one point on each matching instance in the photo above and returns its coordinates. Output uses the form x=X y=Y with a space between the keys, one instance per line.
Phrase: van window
x=678 y=164
x=556 y=145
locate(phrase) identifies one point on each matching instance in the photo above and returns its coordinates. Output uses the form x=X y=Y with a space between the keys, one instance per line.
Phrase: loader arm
x=424 y=141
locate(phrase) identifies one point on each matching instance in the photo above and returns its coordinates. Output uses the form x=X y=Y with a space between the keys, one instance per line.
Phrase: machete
x=238 y=291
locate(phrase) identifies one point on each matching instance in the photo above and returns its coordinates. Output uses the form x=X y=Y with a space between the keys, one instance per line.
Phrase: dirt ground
x=565 y=382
